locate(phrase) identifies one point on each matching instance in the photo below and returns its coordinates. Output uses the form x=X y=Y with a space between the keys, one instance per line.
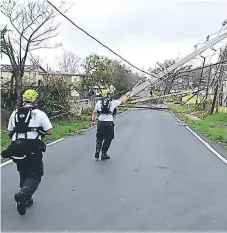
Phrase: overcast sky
x=142 y=31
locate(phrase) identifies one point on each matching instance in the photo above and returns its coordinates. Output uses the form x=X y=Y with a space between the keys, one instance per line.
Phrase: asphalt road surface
x=159 y=178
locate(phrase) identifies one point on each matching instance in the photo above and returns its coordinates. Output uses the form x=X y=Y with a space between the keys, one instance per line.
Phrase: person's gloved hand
x=92 y=124
x=5 y=154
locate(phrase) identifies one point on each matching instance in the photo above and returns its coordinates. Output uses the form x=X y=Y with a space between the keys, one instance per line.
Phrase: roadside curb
x=193 y=131
x=60 y=139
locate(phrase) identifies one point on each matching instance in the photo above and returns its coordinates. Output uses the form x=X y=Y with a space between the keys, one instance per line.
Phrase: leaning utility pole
x=160 y=77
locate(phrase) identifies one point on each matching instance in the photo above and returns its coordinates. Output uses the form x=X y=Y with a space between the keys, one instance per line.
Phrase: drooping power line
x=143 y=71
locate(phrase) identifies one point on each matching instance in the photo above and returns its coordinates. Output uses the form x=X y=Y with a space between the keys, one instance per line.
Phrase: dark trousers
x=104 y=136
x=31 y=173
x=103 y=145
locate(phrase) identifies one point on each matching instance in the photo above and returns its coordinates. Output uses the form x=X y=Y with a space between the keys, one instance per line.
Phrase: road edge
x=206 y=141
x=60 y=139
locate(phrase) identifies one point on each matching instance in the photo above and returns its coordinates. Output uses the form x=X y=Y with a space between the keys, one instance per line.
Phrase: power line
x=206 y=66
x=99 y=41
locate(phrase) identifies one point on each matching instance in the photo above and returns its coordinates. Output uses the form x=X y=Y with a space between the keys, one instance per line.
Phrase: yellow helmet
x=104 y=93
x=30 y=96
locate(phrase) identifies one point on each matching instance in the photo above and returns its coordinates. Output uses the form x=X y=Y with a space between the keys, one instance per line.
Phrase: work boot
x=97 y=155
x=29 y=201
x=104 y=156
x=21 y=199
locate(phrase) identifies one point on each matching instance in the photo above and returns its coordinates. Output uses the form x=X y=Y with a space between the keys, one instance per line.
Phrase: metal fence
x=86 y=103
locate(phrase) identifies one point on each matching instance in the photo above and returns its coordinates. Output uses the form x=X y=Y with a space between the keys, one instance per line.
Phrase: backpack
x=22 y=120
x=23 y=116
x=105 y=107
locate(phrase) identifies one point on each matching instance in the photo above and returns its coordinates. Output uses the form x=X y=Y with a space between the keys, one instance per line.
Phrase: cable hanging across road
x=143 y=71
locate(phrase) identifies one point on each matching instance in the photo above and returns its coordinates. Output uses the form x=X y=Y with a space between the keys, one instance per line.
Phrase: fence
x=86 y=103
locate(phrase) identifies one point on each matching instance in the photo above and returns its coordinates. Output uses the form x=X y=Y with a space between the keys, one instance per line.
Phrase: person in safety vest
x=106 y=109
x=27 y=126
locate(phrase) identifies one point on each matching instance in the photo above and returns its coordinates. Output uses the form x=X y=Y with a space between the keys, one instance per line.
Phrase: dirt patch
x=200 y=114
x=221 y=126
x=192 y=117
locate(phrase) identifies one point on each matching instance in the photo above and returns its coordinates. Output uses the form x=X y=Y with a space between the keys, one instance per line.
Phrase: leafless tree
x=172 y=79
x=69 y=63
x=31 y=24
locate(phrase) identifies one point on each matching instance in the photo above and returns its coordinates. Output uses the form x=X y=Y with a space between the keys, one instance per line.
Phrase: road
x=159 y=178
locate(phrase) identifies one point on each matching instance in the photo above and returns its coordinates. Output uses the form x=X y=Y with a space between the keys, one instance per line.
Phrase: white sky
x=143 y=32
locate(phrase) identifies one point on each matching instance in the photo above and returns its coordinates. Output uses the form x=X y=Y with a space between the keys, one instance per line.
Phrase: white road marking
x=201 y=140
x=49 y=144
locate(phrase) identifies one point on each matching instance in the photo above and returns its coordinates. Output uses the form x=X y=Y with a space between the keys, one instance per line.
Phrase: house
x=36 y=75
x=31 y=74
x=68 y=77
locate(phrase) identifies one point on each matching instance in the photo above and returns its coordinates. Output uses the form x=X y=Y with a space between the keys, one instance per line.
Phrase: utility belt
x=114 y=113
x=101 y=113
x=40 y=131
x=21 y=148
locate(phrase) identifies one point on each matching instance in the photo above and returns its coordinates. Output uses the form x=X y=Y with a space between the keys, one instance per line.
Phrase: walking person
x=27 y=126
x=105 y=109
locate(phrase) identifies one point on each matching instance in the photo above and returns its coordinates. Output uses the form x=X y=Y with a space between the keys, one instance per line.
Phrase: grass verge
x=180 y=108
x=213 y=126
x=61 y=129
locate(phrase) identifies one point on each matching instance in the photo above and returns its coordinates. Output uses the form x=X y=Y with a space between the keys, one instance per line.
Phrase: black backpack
x=105 y=106
x=23 y=116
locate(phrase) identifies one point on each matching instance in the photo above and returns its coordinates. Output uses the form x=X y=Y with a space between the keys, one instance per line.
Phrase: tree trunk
x=208 y=83
x=17 y=89
x=214 y=99
x=11 y=97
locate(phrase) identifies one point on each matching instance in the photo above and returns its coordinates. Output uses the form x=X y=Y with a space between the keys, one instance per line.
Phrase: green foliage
x=171 y=99
x=158 y=93
x=61 y=128
x=102 y=71
x=96 y=73
x=5 y=141
x=122 y=78
x=214 y=126
x=179 y=108
x=186 y=108
x=54 y=99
